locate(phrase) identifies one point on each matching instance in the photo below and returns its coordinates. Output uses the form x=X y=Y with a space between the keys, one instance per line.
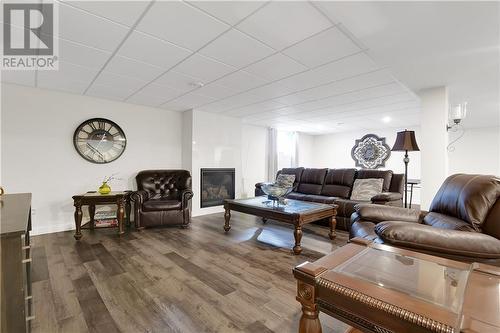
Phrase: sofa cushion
x=311 y=181
x=292 y=171
x=441 y=221
x=338 y=183
x=386 y=175
x=363 y=230
x=467 y=197
x=161 y=205
x=318 y=198
x=366 y=189
x=346 y=207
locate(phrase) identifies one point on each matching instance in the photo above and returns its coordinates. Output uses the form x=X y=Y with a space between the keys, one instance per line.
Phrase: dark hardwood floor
x=175 y=280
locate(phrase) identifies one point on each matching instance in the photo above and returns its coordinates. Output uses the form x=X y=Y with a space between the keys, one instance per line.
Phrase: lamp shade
x=405 y=141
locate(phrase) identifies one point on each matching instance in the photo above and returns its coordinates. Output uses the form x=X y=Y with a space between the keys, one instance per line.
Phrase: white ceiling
x=294 y=65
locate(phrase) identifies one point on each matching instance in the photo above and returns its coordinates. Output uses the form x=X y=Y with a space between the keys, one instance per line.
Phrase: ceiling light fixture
x=386 y=119
x=196 y=84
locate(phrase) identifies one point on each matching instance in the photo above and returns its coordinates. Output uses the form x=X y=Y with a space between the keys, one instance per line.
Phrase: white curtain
x=295 y=150
x=272 y=154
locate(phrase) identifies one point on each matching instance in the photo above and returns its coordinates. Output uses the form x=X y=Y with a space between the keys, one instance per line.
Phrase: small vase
x=104 y=188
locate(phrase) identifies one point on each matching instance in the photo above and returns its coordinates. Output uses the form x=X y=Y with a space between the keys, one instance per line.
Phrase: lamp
x=457 y=113
x=405 y=141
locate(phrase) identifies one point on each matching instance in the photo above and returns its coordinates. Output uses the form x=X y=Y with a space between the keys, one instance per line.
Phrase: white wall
x=254 y=157
x=39 y=157
x=433 y=141
x=306 y=150
x=216 y=143
x=478 y=151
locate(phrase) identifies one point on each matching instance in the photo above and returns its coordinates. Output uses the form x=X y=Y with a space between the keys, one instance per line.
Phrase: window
x=286 y=147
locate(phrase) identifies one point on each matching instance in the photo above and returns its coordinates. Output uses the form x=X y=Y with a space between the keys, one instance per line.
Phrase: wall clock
x=370 y=152
x=99 y=140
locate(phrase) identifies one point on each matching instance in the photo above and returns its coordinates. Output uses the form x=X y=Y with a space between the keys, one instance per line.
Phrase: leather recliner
x=163 y=197
x=463 y=222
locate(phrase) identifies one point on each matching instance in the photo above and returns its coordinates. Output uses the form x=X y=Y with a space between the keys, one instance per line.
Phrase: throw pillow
x=365 y=189
x=285 y=180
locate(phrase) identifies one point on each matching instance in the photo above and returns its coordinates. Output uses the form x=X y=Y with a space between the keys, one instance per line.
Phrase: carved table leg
x=120 y=215
x=92 y=215
x=78 y=219
x=227 y=217
x=333 y=223
x=309 y=321
x=128 y=210
x=297 y=233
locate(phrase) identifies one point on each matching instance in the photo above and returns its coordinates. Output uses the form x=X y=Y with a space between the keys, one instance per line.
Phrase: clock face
x=99 y=140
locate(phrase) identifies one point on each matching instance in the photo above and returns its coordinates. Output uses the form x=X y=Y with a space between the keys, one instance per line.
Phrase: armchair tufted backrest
x=469 y=198
x=164 y=184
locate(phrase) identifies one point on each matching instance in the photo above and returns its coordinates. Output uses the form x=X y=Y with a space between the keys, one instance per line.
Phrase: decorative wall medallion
x=370 y=152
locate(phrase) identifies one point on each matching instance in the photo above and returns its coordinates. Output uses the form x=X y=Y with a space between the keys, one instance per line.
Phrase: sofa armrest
x=139 y=197
x=385 y=197
x=439 y=241
x=186 y=195
x=379 y=213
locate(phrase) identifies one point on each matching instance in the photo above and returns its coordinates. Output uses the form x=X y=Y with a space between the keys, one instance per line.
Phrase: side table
x=91 y=199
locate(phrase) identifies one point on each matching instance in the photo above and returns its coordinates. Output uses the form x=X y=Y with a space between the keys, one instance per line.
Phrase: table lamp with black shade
x=405 y=141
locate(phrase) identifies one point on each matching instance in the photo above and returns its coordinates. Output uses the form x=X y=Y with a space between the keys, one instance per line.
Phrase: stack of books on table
x=105 y=218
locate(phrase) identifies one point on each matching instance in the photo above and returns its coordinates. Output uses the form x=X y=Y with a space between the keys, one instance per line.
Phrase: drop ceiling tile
x=287 y=111
x=181 y=24
x=158 y=52
x=216 y=91
x=70 y=78
x=236 y=49
x=118 y=86
x=203 y=68
x=129 y=67
x=276 y=67
x=192 y=100
x=254 y=108
x=232 y=102
x=338 y=70
x=124 y=12
x=82 y=55
x=230 y=12
x=154 y=95
x=271 y=90
x=25 y=78
x=177 y=80
x=322 y=48
x=84 y=28
x=281 y=24
x=241 y=81
x=174 y=106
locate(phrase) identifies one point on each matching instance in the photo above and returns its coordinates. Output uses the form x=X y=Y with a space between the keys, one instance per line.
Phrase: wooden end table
x=379 y=288
x=295 y=212
x=91 y=199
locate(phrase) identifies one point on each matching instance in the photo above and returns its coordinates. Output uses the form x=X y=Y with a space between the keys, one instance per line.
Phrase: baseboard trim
x=53 y=228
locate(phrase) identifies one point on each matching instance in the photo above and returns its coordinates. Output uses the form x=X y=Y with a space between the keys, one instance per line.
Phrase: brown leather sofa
x=335 y=186
x=163 y=197
x=463 y=222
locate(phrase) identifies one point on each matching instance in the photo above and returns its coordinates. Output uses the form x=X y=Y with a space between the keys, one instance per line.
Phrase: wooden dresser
x=15 y=254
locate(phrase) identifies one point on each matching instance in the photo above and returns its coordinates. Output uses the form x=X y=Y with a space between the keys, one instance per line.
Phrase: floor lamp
x=405 y=141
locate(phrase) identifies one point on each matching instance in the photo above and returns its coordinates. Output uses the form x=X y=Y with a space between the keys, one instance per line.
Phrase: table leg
x=333 y=223
x=92 y=215
x=309 y=321
x=411 y=194
x=297 y=234
x=128 y=210
x=227 y=217
x=78 y=219
x=120 y=214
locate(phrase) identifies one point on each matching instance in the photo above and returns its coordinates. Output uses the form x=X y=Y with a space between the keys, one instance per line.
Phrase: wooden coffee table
x=379 y=288
x=295 y=212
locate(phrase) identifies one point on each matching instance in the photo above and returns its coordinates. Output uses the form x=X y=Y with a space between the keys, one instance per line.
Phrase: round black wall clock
x=99 y=140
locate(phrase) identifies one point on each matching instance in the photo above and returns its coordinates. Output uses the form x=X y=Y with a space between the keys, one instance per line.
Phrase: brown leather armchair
x=463 y=222
x=163 y=197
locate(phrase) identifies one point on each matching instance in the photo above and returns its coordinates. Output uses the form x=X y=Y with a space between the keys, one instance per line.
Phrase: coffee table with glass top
x=294 y=212
x=379 y=288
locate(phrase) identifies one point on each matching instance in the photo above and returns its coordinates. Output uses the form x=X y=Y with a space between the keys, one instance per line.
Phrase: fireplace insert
x=217 y=184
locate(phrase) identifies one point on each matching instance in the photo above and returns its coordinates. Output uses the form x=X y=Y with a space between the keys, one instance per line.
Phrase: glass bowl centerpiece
x=276 y=192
